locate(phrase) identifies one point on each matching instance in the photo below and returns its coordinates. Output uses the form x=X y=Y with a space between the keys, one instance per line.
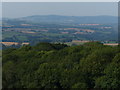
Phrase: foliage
x=47 y=65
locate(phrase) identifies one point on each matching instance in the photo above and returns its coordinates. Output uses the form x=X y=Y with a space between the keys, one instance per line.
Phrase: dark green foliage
x=46 y=65
x=47 y=46
x=111 y=79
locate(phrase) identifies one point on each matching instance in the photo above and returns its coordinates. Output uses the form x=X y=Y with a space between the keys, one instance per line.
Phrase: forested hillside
x=92 y=65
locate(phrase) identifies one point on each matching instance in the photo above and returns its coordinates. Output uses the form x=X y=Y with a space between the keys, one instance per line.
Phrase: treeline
x=46 y=65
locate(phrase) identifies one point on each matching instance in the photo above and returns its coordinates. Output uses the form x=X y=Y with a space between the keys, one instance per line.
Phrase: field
x=22 y=31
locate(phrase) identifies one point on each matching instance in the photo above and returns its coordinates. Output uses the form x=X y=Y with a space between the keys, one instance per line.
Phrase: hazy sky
x=22 y=9
x=60 y=0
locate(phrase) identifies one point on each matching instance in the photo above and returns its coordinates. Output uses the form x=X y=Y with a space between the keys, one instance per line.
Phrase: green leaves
x=111 y=78
x=46 y=65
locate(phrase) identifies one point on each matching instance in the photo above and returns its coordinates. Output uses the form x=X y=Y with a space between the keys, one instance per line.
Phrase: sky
x=23 y=9
x=60 y=0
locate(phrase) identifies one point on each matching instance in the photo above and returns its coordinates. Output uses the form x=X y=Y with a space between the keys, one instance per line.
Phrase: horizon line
x=57 y=15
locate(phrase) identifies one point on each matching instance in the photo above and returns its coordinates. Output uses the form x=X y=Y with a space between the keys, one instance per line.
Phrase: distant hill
x=70 y=19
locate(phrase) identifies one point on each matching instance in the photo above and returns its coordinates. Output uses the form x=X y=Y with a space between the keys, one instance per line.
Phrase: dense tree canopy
x=46 y=65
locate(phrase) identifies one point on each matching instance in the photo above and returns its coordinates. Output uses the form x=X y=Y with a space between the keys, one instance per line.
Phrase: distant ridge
x=104 y=19
x=71 y=19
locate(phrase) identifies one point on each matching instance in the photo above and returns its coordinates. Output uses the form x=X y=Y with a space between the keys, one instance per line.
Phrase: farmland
x=34 y=33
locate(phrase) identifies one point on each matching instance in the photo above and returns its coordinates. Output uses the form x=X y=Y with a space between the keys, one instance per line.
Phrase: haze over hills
x=70 y=19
